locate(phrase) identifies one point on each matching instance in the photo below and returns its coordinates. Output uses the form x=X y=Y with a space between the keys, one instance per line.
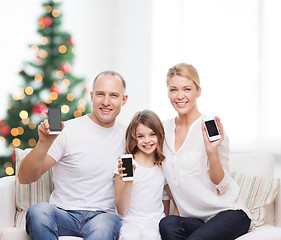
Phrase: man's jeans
x=226 y=225
x=45 y=221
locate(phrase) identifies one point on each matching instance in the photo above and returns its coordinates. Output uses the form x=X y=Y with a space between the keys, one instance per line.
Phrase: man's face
x=107 y=98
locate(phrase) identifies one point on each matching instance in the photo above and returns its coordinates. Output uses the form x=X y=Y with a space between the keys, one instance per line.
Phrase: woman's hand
x=212 y=147
x=216 y=172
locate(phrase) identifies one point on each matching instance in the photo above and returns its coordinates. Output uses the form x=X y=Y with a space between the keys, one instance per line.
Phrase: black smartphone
x=54 y=115
x=127 y=160
x=212 y=130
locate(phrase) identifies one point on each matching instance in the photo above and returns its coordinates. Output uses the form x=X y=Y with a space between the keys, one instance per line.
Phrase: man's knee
x=108 y=221
x=106 y=225
x=40 y=210
x=39 y=213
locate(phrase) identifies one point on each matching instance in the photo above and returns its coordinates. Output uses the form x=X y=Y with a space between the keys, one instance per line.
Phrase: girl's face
x=147 y=139
x=183 y=94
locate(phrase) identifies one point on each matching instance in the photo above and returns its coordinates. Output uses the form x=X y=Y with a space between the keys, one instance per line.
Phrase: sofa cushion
x=20 y=234
x=30 y=194
x=266 y=231
x=257 y=192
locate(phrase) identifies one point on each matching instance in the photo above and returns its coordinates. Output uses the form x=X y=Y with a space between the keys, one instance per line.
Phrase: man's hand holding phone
x=44 y=128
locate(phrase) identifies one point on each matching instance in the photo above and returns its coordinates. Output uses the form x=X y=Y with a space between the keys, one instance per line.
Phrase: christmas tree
x=48 y=82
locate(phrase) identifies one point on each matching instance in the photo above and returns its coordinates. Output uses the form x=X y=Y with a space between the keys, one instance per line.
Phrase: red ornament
x=71 y=41
x=47 y=21
x=87 y=88
x=5 y=130
x=13 y=157
x=40 y=108
x=55 y=89
x=65 y=68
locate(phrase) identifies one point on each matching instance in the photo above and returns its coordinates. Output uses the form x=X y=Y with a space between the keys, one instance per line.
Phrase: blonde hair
x=184 y=70
x=149 y=119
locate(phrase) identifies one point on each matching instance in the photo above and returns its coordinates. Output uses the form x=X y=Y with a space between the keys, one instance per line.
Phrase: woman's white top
x=187 y=173
x=146 y=195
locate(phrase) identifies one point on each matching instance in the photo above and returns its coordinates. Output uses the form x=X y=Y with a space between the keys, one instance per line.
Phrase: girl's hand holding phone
x=126 y=167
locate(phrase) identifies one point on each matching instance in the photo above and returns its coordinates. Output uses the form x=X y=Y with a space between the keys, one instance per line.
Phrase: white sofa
x=258 y=164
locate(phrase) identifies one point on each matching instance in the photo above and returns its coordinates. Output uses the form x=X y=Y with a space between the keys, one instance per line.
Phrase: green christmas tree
x=48 y=82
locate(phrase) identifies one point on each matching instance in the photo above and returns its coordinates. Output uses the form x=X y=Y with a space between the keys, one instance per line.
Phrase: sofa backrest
x=259 y=164
x=255 y=163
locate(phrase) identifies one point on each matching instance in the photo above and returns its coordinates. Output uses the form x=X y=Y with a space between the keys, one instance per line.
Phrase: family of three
x=90 y=200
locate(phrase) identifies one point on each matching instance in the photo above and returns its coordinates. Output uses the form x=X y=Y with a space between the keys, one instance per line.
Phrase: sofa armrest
x=277 y=203
x=7 y=202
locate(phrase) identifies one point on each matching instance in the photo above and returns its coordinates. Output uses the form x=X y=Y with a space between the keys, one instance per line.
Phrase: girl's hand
x=212 y=147
x=121 y=169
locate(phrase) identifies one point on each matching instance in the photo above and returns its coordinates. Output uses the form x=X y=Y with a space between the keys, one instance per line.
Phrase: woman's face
x=183 y=94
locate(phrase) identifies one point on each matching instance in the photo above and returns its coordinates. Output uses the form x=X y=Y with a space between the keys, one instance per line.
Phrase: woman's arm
x=216 y=172
x=122 y=191
x=168 y=191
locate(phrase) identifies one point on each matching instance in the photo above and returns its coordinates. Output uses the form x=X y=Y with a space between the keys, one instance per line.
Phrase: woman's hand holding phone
x=211 y=146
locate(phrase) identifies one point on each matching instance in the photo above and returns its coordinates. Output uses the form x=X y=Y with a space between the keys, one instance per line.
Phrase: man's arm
x=37 y=162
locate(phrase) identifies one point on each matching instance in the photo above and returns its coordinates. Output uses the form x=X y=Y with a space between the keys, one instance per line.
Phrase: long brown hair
x=149 y=119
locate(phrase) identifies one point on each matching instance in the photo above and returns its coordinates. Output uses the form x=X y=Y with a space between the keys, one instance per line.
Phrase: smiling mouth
x=148 y=146
x=105 y=110
x=181 y=104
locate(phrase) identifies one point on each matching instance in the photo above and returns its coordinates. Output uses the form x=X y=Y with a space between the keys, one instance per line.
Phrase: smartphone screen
x=54 y=115
x=211 y=128
x=128 y=164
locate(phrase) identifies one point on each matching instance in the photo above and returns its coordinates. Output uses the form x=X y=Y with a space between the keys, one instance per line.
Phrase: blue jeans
x=45 y=221
x=226 y=225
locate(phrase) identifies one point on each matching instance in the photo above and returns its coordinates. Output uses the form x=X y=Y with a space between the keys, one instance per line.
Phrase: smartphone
x=54 y=115
x=212 y=130
x=127 y=160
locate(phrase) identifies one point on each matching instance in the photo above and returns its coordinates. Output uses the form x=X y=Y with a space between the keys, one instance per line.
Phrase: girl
x=139 y=202
x=197 y=170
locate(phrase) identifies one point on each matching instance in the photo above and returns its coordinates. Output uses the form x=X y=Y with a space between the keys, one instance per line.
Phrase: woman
x=196 y=169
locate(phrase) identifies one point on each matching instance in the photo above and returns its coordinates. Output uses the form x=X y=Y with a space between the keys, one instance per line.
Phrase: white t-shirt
x=187 y=173
x=86 y=154
x=146 y=195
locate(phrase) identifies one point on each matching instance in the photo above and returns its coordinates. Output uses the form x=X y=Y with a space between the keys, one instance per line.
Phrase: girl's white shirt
x=187 y=173
x=146 y=195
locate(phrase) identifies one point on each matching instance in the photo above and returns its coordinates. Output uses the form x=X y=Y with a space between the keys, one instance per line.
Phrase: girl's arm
x=122 y=192
x=216 y=172
x=168 y=191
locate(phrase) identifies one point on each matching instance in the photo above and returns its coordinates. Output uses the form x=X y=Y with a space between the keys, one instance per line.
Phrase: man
x=83 y=157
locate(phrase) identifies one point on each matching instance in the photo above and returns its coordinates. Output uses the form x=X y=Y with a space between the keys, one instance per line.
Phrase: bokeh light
x=65 y=108
x=62 y=49
x=70 y=97
x=9 y=171
x=23 y=114
x=16 y=142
